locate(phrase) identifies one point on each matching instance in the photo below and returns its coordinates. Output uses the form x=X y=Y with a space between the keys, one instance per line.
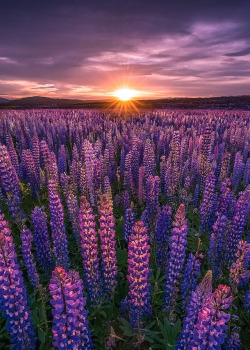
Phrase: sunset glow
x=125 y=94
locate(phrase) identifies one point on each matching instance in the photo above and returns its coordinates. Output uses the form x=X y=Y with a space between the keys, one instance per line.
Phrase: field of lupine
x=124 y=232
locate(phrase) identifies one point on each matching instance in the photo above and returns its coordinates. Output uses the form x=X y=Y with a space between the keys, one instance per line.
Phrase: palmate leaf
x=165 y=336
x=126 y=327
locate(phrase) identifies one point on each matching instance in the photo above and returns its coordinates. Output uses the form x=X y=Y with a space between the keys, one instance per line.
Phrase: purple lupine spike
x=83 y=324
x=178 y=242
x=70 y=326
x=210 y=329
x=197 y=300
x=246 y=177
x=30 y=170
x=10 y=183
x=225 y=163
x=129 y=221
x=238 y=224
x=41 y=239
x=107 y=238
x=73 y=209
x=83 y=186
x=205 y=151
x=62 y=160
x=226 y=201
x=122 y=162
x=36 y=154
x=208 y=203
x=75 y=154
x=196 y=196
x=239 y=272
x=174 y=159
x=45 y=155
x=13 y=294
x=74 y=176
x=141 y=189
x=238 y=171
x=152 y=205
x=162 y=236
x=138 y=275
x=149 y=159
x=60 y=244
x=52 y=168
x=128 y=172
x=112 y=162
x=135 y=162
x=106 y=184
x=125 y=200
x=233 y=342
x=28 y=257
x=217 y=249
x=89 y=166
x=247 y=301
x=12 y=153
x=191 y=272
x=64 y=181
x=89 y=249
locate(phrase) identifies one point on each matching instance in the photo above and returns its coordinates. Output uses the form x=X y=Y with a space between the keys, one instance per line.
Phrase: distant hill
x=223 y=102
x=39 y=101
x=3 y=100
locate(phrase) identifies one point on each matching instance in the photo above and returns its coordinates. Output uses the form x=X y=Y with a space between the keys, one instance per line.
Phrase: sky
x=89 y=49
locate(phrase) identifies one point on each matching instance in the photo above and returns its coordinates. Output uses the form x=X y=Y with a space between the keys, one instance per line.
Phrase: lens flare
x=125 y=94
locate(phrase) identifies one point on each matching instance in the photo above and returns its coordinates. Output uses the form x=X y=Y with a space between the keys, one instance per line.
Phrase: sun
x=125 y=94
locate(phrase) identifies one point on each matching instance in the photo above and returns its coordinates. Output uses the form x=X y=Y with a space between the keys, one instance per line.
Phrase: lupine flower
x=28 y=257
x=30 y=169
x=59 y=237
x=178 y=242
x=210 y=329
x=149 y=159
x=12 y=153
x=225 y=163
x=246 y=177
x=238 y=224
x=238 y=171
x=205 y=152
x=226 y=201
x=152 y=205
x=239 y=272
x=13 y=295
x=10 y=183
x=70 y=326
x=162 y=236
x=36 y=154
x=208 y=203
x=138 y=275
x=41 y=239
x=107 y=238
x=73 y=209
x=174 y=160
x=129 y=221
x=125 y=200
x=217 y=248
x=62 y=160
x=89 y=249
x=189 y=280
x=233 y=342
x=135 y=162
x=141 y=190
x=89 y=165
x=195 y=304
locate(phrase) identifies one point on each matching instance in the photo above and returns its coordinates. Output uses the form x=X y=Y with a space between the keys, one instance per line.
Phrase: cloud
x=239 y=53
x=88 y=49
